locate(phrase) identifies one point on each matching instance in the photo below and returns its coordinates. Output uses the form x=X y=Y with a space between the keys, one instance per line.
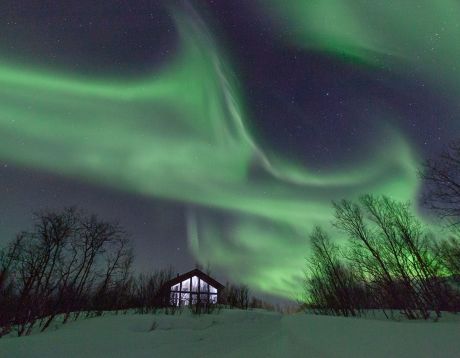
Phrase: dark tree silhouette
x=67 y=263
x=236 y=296
x=442 y=178
x=442 y=195
x=390 y=246
x=330 y=284
x=147 y=289
x=389 y=262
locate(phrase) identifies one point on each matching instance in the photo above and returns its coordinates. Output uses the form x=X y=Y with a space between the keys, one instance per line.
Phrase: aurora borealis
x=260 y=115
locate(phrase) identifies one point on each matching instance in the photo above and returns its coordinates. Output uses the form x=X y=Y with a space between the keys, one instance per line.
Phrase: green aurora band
x=418 y=34
x=182 y=134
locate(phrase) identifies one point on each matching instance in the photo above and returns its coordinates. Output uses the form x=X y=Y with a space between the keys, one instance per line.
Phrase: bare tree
x=442 y=195
x=236 y=296
x=100 y=247
x=365 y=253
x=330 y=284
x=35 y=258
x=60 y=265
x=7 y=289
x=449 y=255
x=442 y=178
x=148 y=290
x=115 y=275
x=389 y=246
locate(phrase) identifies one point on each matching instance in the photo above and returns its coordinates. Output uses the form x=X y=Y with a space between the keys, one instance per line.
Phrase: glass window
x=186 y=285
x=174 y=299
x=204 y=286
x=212 y=298
x=185 y=299
x=194 y=284
x=194 y=298
x=212 y=289
x=175 y=288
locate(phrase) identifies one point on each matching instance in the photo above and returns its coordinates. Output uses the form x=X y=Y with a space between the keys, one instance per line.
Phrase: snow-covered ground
x=235 y=333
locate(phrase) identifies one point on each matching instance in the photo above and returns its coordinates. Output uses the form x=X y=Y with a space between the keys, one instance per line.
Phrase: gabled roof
x=197 y=273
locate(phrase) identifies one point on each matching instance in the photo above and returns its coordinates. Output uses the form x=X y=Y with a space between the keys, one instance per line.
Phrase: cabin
x=191 y=288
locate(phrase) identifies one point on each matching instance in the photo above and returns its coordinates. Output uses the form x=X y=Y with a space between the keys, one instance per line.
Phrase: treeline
x=72 y=264
x=239 y=296
x=389 y=261
x=68 y=263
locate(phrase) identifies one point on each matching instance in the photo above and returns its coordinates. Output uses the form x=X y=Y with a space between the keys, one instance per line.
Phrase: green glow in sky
x=420 y=35
x=181 y=134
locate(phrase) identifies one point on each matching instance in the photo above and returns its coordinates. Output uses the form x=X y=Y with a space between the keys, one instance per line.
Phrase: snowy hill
x=235 y=333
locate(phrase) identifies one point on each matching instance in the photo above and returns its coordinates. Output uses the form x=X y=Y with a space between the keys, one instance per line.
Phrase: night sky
x=220 y=131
